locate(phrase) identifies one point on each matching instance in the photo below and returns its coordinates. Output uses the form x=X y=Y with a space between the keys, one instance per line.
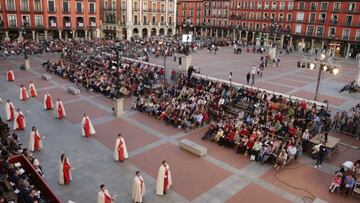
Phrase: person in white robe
x=104 y=195
x=59 y=109
x=138 y=189
x=10 y=110
x=35 y=141
x=163 y=180
x=32 y=89
x=120 y=150
x=87 y=127
x=65 y=168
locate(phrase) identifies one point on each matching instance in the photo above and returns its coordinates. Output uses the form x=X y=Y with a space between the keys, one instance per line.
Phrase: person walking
x=321 y=155
x=248 y=78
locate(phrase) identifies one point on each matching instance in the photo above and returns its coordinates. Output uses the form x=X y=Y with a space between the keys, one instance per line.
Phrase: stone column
x=60 y=34
x=119 y=107
x=282 y=42
x=348 y=50
x=7 y=38
x=46 y=35
x=86 y=34
x=33 y=33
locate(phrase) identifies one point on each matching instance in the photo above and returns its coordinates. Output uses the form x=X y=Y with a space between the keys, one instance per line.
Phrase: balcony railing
x=331 y=35
x=92 y=24
x=80 y=24
x=345 y=37
x=12 y=25
x=26 y=24
x=313 y=8
x=336 y=10
x=319 y=34
x=309 y=33
x=333 y=22
x=357 y=38
x=52 y=24
x=68 y=24
x=52 y=11
x=321 y=21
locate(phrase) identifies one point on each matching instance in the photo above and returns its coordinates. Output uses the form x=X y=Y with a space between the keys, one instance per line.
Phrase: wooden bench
x=46 y=77
x=73 y=90
x=193 y=147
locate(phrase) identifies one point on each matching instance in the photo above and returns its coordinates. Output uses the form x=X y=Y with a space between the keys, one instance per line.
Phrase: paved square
x=78 y=108
x=191 y=176
x=55 y=94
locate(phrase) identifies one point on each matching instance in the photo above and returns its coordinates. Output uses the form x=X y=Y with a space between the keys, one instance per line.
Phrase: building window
x=154 y=6
x=26 y=21
x=37 y=5
x=24 y=5
x=38 y=21
x=324 y=6
x=10 y=5
x=310 y=30
x=123 y=5
x=320 y=31
x=51 y=6
x=357 y=36
x=298 y=29
x=266 y=6
x=312 y=17
x=290 y=5
x=273 y=6
x=300 y=16
x=65 y=7
x=113 y=6
x=289 y=17
x=79 y=7
x=337 y=6
x=91 y=7
x=351 y=7
x=145 y=6
x=301 y=6
x=12 y=20
x=154 y=20
x=346 y=34
x=348 y=20
x=259 y=5
x=282 y=5
x=331 y=32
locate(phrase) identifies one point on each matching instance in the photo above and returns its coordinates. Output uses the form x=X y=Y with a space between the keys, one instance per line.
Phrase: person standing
x=120 y=151
x=253 y=73
x=32 y=89
x=248 y=78
x=19 y=121
x=104 y=195
x=138 y=189
x=59 y=109
x=64 y=170
x=321 y=155
x=10 y=75
x=163 y=180
x=35 y=142
x=48 y=103
x=10 y=110
x=87 y=127
x=23 y=93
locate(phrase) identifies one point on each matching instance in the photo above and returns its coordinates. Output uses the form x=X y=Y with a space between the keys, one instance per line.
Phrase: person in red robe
x=120 y=151
x=48 y=104
x=59 y=109
x=10 y=75
x=87 y=127
x=64 y=170
x=19 y=121
x=104 y=195
x=10 y=110
x=32 y=89
x=23 y=93
x=35 y=142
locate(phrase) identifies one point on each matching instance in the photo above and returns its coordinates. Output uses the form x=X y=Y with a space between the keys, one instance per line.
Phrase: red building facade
x=300 y=24
x=47 y=19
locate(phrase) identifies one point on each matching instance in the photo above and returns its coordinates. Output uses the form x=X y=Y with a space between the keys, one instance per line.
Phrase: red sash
x=32 y=92
x=10 y=76
x=48 y=102
x=87 y=127
x=166 y=180
x=66 y=172
x=121 y=151
x=107 y=198
x=37 y=141
x=23 y=93
x=11 y=112
x=20 y=122
x=60 y=111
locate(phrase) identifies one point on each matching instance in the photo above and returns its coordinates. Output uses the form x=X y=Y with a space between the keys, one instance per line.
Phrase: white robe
x=32 y=86
x=15 y=122
x=7 y=109
x=26 y=93
x=138 y=190
x=92 y=130
x=57 y=104
x=61 y=173
x=32 y=141
x=160 y=180
x=101 y=196
x=52 y=104
x=116 y=154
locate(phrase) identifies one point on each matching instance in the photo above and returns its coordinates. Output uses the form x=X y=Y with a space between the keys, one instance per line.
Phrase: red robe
x=166 y=181
x=11 y=112
x=121 y=151
x=32 y=92
x=66 y=172
x=20 y=122
x=48 y=103
x=60 y=111
x=37 y=142
x=10 y=75
x=23 y=93
x=87 y=127
x=107 y=198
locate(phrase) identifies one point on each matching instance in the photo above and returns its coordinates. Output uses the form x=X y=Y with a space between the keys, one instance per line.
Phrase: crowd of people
x=348 y=121
x=16 y=184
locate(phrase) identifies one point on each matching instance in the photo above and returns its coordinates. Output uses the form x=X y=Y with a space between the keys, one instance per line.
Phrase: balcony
x=39 y=25
x=66 y=11
x=319 y=34
x=67 y=24
x=309 y=33
x=26 y=25
x=12 y=25
x=336 y=10
x=321 y=21
x=333 y=22
x=346 y=37
x=25 y=10
x=313 y=8
x=79 y=11
x=357 y=38
x=38 y=10
x=92 y=24
x=299 y=21
x=80 y=25
x=325 y=8
x=331 y=35
x=348 y=24
x=52 y=10
x=312 y=21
